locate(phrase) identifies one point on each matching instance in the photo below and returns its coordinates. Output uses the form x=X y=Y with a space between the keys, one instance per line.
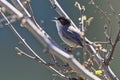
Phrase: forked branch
x=48 y=42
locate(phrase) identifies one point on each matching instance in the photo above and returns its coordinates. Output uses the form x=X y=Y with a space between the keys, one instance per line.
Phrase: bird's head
x=64 y=21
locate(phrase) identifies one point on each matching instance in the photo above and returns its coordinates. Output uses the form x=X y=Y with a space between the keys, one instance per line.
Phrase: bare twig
x=110 y=55
x=18 y=4
x=60 y=11
x=112 y=8
x=44 y=38
x=90 y=48
x=10 y=18
x=82 y=21
x=54 y=48
x=39 y=60
x=108 y=38
x=104 y=14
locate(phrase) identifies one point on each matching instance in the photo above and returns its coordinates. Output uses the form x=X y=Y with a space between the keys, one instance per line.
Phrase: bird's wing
x=73 y=36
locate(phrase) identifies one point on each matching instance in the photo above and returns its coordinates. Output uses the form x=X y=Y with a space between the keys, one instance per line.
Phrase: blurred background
x=15 y=67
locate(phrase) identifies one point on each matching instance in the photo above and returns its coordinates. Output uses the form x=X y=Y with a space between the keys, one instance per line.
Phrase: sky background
x=15 y=67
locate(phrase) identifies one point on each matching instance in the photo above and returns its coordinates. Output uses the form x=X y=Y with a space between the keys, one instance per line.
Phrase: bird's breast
x=67 y=40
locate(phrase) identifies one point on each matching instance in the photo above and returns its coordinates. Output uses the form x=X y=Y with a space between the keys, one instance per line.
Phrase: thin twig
x=52 y=46
x=110 y=55
x=97 y=57
x=104 y=14
x=82 y=21
x=60 y=11
x=32 y=14
x=43 y=62
x=18 y=4
x=37 y=58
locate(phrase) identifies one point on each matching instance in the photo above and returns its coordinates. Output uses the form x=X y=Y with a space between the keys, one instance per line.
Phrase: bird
x=73 y=36
x=68 y=34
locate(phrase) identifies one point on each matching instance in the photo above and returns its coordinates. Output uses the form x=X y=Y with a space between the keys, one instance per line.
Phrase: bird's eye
x=61 y=20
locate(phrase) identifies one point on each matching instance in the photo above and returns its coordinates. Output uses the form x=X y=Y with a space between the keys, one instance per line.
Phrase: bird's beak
x=55 y=19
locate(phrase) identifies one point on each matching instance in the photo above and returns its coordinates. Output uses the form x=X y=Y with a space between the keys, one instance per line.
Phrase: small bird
x=73 y=36
x=69 y=35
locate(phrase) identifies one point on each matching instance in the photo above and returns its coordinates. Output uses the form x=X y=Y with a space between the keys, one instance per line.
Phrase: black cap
x=64 y=21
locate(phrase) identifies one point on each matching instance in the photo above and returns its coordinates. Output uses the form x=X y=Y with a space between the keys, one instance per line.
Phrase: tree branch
x=54 y=48
x=47 y=41
x=35 y=56
x=40 y=60
x=90 y=48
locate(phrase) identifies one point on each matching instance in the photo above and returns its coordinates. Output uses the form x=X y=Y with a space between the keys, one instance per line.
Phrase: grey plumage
x=72 y=36
x=68 y=33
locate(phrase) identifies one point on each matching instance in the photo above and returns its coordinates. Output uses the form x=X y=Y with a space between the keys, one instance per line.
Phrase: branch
x=110 y=55
x=35 y=57
x=104 y=14
x=60 y=11
x=117 y=39
x=54 y=48
x=18 y=4
x=82 y=23
x=40 y=60
x=113 y=45
x=47 y=41
x=90 y=48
